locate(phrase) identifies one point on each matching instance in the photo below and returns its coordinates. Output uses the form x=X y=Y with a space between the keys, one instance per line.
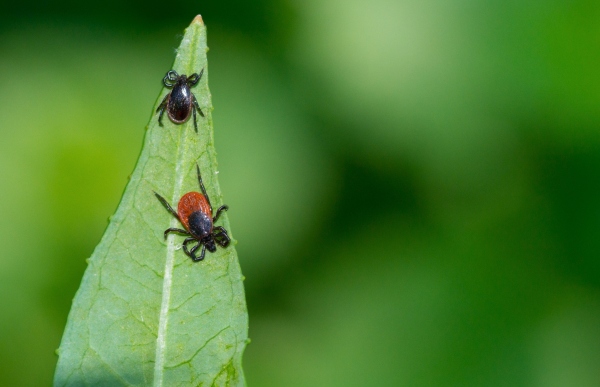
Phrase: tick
x=194 y=211
x=180 y=102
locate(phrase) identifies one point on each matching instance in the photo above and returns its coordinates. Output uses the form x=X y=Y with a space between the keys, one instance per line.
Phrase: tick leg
x=201 y=257
x=202 y=188
x=195 y=102
x=162 y=108
x=221 y=236
x=171 y=76
x=185 y=249
x=167 y=205
x=194 y=78
x=219 y=210
x=163 y=103
x=193 y=250
x=222 y=239
x=195 y=123
x=177 y=230
x=194 y=108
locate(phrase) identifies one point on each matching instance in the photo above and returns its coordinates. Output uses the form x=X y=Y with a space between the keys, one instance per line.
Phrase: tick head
x=210 y=245
x=182 y=80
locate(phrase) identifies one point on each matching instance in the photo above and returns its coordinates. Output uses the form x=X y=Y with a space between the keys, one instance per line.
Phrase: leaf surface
x=145 y=314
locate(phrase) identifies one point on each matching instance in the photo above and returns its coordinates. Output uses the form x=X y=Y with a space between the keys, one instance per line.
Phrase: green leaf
x=145 y=314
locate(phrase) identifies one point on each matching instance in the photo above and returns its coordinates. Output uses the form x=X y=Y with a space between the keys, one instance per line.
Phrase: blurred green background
x=414 y=185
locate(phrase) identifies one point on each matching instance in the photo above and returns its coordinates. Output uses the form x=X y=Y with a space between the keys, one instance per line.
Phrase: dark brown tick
x=180 y=101
x=194 y=211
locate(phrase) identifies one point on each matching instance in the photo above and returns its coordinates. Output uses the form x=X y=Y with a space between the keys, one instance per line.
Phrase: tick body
x=180 y=102
x=194 y=211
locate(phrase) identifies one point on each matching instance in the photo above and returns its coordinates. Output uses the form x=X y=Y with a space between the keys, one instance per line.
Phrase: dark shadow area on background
x=365 y=197
x=568 y=177
x=268 y=22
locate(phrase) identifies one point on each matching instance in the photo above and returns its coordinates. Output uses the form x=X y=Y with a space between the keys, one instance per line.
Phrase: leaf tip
x=198 y=19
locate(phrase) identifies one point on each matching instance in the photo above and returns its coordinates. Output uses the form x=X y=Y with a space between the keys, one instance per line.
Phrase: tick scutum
x=200 y=224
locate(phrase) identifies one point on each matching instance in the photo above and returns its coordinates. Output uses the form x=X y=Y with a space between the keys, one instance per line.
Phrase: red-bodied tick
x=180 y=102
x=194 y=211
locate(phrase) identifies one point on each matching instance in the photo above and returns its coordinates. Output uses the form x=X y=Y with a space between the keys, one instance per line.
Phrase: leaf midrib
x=161 y=343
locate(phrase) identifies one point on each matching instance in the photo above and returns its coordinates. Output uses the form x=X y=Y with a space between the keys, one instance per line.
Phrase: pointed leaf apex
x=198 y=19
